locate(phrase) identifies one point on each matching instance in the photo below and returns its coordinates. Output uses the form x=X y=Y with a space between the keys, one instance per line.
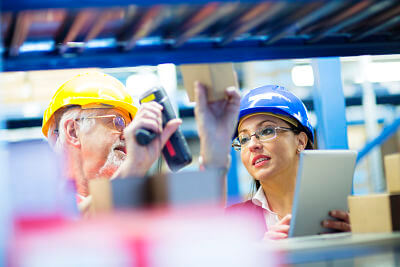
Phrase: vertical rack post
x=329 y=104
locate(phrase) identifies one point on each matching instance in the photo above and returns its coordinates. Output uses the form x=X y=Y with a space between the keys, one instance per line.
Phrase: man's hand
x=216 y=123
x=342 y=224
x=140 y=158
x=280 y=230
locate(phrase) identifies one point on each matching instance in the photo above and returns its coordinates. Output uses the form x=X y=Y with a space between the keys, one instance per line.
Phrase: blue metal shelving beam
x=329 y=104
x=251 y=19
x=310 y=18
x=379 y=23
x=388 y=24
x=18 y=5
x=151 y=19
x=233 y=181
x=203 y=19
x=361 y=11
x=190 y=52
x=75 y=24
x=385 y=134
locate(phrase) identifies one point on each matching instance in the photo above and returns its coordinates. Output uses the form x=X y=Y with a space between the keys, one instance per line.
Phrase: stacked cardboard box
x=379 y=212
x=172 y=190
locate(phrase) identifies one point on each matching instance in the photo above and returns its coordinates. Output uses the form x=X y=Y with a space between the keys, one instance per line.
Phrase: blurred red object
x=185 y=237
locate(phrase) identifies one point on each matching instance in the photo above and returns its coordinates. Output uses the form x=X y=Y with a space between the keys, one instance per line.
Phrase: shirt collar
x=260 y=200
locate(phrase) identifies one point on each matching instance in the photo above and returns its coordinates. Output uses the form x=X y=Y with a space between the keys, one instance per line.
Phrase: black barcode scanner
x=176 y=151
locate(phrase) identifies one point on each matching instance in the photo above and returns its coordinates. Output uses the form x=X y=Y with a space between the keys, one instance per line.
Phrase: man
x=86 y=121
x=91 y=121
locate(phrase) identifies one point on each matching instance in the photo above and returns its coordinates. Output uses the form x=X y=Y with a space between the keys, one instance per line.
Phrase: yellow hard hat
x=88 y=89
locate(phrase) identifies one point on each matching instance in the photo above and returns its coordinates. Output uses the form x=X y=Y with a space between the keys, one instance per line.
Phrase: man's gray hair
x=56 y=132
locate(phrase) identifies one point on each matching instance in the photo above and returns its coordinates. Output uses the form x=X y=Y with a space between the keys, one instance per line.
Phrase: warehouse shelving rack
x=64 y=34
x=44 y=34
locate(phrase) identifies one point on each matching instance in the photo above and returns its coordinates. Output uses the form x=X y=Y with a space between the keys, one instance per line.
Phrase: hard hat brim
x=130 y=109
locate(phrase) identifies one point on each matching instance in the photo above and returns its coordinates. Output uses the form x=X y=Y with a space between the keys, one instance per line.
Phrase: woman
x=273 y=129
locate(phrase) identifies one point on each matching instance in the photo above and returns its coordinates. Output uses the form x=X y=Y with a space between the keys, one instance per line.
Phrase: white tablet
x=324 y=180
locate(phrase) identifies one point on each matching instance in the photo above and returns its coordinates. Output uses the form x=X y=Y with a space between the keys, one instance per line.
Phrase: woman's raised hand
x=280 y=230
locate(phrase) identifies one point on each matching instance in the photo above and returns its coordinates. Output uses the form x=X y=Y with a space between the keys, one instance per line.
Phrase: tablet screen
x=324 y=180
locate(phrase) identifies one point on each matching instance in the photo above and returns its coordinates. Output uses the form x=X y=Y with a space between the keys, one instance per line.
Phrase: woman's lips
x=260 y=160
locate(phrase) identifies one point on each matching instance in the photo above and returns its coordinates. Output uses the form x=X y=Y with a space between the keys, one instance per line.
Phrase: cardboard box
x=172 y=189
x=100 y=190
x=392 y=169
x=130 y=193
x=187 y=188
x=216 y=77
x=118 y=193
x=374 y=213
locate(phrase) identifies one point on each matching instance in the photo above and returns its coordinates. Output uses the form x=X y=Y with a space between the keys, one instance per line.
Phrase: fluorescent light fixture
x=167 y=76
x=31 y=110
x=303 y=75
x=383 y=72
x=138 y=83
x=149 y=41
x=101 y=43
x=37 y=46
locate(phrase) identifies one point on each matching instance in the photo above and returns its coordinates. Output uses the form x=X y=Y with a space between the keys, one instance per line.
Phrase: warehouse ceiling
x=44 y=34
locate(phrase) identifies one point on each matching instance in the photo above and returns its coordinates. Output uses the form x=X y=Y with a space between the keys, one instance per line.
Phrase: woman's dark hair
x=297 y=130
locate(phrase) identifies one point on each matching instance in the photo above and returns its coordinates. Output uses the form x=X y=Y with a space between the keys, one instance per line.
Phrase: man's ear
x=303 y=139
x=71 y=133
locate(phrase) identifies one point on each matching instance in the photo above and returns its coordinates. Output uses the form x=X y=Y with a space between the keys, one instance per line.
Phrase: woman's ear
x=71 y=133
x=302 y=141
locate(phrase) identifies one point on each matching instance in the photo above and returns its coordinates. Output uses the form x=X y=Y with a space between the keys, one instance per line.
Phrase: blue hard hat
x=278 y=100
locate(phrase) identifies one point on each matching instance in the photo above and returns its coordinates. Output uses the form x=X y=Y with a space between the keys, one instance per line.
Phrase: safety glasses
x=263 y=134
x=113 y=121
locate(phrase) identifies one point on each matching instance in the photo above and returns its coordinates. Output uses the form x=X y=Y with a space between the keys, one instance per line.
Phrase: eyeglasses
x=262 y=134
x=118 y=122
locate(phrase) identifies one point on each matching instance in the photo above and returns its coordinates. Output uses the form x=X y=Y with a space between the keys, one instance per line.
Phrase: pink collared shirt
x=259 y=199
